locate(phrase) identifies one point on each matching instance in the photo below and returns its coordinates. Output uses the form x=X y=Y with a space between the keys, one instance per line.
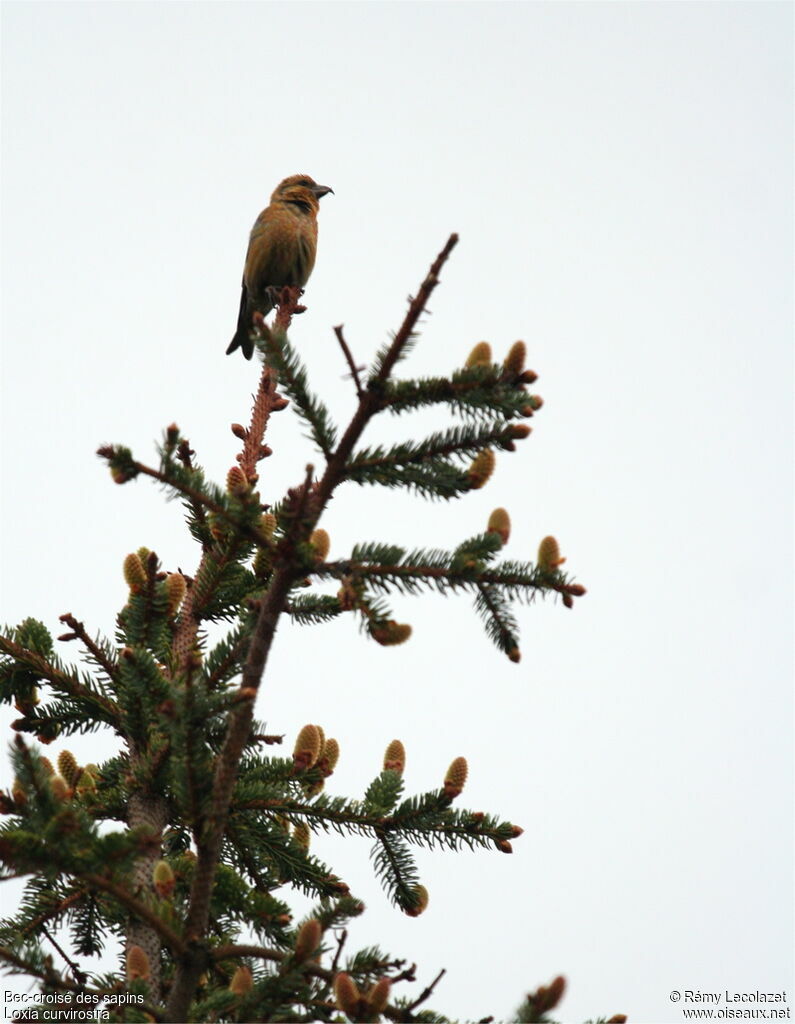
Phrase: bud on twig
x=390 y=633
x=378 y=996
x=68 y=766
x=237 y=482
x=549 y=555
x=321 y=543
x=329 y=756
x=308 y=939
x=163 y=879
x=456 y=778
x=307 y=748
x=347 y=994
x=134 y=572
x=242 y=981
x=86 y=782
x=302 y=834
x=59 y=787
x=422 y=901
x=267 y=524
x=395 y=757
x=546 y=997
x=514 y=361
x=137 y=963
x=175 y=589
x=500 y=523
x=481 y=468
x=479 y=356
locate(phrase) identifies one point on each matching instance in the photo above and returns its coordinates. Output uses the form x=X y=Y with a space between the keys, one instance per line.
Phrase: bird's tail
x=242 y=338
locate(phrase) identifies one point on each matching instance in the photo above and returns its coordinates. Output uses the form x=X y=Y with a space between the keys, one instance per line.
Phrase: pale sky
x=620 y=176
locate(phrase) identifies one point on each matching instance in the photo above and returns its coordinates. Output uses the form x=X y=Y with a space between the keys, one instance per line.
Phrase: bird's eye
x=305 y=182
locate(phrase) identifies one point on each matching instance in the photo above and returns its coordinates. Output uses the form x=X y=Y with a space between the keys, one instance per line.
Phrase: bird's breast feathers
x=282 y=247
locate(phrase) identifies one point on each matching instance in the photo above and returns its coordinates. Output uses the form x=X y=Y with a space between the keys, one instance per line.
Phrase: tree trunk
x=150 y=812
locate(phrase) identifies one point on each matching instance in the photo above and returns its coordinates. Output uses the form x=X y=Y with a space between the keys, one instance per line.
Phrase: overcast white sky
x=620 y=175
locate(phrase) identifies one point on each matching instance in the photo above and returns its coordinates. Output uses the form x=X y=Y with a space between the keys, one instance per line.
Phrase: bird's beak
x=322 y=190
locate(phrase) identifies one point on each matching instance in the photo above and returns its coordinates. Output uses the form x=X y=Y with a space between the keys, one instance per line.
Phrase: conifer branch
x=58 y=982
x=434 y=575
x=79 y=976
x=341 y=940
x=423 y=822
x=338 y=331
x=266 y=401
x=370 y=400
x=54 y=912
x=479 y=392
x=458 y=441
x=96 y=652
x=276 y=956
x=427 y=992
x=395 y=868
x=187 y=623
x=293 y=376
x=138 y=909
x=63 y=682
x=500 y=624
x=185 y=455
x=416 y=308
x=137 y=468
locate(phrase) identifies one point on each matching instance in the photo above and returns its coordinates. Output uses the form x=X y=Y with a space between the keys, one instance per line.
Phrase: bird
x=281 y=251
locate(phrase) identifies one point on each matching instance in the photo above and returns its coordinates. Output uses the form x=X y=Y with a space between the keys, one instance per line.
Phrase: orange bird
x=281 y=251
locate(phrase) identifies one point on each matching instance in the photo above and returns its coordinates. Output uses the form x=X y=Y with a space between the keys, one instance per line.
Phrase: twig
x=380 y=834
x=250 y=532
x=266 y=401
x=416 y=308
x=60 y=680
x=96 y=652
x=287 y=306
x=187 y=624
x=273 y=955
x=140 y=910
x=369 y=402
x=427 y=992
x=429 y=574
x=185 y=455
x=80 y=976
x=347 y=352
x=65 y=903
x=341 y=940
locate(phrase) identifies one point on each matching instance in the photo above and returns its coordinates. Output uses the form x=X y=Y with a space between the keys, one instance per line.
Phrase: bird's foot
x=274 y=293
x=289 y=296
